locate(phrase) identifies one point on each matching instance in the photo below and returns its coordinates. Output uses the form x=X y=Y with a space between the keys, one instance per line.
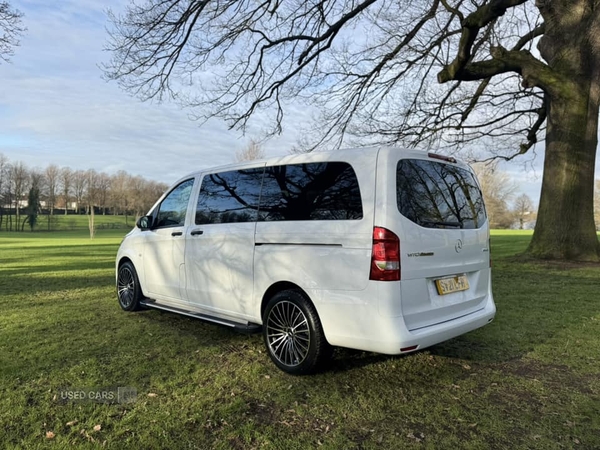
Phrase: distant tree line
x=498 y=192
x=62 y=190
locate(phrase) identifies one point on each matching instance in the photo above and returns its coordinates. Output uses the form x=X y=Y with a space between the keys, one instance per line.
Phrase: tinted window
x=437 y=195
x=229 y=197
x=315 y=191
x=172 y=209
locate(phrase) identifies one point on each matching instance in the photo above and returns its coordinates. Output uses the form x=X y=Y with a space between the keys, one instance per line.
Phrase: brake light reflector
x=442 y=157
x=385 y=256
x=409 y=349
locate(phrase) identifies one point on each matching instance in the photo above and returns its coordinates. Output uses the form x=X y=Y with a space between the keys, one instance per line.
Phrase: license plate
x=452 y=284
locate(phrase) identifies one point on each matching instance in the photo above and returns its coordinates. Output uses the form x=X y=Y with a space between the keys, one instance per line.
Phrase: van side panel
x=319 y=255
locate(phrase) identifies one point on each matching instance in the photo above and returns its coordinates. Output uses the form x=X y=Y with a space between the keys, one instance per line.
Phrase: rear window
x=438 y=195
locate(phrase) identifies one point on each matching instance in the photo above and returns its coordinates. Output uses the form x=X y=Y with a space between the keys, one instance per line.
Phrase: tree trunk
x=17 y=215
x=91 y=224
x=565 y=227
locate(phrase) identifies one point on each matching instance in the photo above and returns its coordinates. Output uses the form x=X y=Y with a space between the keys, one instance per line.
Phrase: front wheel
x=293 y=334
x=129 y=292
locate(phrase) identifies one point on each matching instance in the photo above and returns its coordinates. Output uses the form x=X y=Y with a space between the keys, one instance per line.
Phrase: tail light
x=385 y=256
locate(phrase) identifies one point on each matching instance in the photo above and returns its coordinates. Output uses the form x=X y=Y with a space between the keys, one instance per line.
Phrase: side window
x=172 y=210
x=229 y=196
x=314 y=191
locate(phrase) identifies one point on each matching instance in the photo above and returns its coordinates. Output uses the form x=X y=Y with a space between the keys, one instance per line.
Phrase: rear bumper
x=428 y=336
x=389 y=335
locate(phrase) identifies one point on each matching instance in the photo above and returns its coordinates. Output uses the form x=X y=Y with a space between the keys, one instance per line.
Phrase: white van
x=382 y=249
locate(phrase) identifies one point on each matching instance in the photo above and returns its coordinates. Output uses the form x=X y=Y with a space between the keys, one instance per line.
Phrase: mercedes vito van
x=381 y=249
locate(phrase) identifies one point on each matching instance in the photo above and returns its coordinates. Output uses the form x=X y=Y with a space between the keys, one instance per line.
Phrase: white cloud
x=54 y=106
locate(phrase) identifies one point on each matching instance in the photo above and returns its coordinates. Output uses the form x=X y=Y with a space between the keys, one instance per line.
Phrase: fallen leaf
x=268 y=377
x=97 y=427
x=577 y=441
x=152 y=394
x=466 y=367
x=72 y=422
x=50 y=435
x=54 y=398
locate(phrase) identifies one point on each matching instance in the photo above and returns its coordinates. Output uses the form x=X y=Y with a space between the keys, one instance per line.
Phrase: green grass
x=75 y=222
x=531 y=379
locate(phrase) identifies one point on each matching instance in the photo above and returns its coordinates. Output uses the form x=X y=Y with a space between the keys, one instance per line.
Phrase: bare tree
x=79 y=188
x=135 y=190
x=92 y=181
x=19 y=178
x=118 y=193
x=498 y=189
x=523 y=209
x=102 y=191
x=66 y=181
x=435 y=72
x=251 y=152
x=52 y=174
x=11 y=29
x=4 y=167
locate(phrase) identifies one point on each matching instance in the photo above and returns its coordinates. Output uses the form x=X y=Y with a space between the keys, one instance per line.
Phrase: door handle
x=176 y=233
x=197 y=232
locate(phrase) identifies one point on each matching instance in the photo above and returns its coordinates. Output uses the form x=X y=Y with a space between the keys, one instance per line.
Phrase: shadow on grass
x=23 y=285
x=77 y=266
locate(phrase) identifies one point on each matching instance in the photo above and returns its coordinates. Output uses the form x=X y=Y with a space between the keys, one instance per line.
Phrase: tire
x=129 y=292
x=293 y=334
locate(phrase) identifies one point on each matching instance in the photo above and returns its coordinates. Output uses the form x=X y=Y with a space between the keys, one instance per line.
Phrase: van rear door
x=444 y=238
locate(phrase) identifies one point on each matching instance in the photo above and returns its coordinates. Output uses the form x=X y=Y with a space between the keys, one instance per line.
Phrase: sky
x=56 y=108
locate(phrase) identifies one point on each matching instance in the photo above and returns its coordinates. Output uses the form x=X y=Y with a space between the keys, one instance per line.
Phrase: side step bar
x=247 y=328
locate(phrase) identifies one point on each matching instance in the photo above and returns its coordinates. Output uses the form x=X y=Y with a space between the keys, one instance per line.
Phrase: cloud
x=55 y=107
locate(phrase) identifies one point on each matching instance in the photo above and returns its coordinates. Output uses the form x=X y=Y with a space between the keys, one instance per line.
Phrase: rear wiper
x=442 y=224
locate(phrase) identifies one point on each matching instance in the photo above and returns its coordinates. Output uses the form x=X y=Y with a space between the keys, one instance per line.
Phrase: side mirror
x=144 y=223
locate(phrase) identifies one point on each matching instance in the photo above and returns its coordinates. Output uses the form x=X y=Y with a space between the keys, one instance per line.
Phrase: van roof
x=349 y=154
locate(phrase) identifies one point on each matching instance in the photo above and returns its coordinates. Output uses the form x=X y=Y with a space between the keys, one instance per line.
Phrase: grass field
x=531 y=379
x=75 y=222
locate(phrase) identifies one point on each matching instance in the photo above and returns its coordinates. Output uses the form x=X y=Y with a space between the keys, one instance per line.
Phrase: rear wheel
x=129 y=292
x=293 y=334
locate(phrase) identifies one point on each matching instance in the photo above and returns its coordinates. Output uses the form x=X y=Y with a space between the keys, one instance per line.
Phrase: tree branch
x=478 y=19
